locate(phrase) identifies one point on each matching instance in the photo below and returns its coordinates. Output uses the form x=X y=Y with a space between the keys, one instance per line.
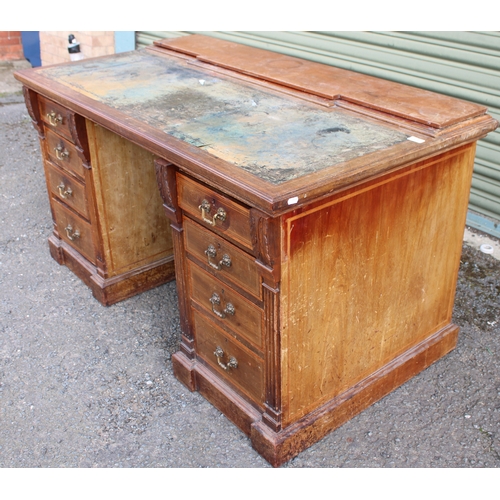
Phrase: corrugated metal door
x=456 y=63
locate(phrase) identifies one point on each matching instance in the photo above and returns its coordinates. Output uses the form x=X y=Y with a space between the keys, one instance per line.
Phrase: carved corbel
x=78 y=131
x=31 y=100
x=165 y=178
x=265 y=239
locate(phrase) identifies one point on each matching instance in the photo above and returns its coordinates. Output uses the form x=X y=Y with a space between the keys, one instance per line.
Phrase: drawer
x=67 y=189
x=55 y=116
x=226 y=306
x=64 y=154
x=227 y=260
x=230 y=359
x=74 y=230
x=215 y=211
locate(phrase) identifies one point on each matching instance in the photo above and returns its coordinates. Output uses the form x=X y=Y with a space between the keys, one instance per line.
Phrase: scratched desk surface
x=277 y=138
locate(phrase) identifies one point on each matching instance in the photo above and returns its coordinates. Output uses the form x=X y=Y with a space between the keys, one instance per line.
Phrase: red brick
x=13 y=48
x=10 y=51
x=8 y=41
x=10 y=57
x=15 y=35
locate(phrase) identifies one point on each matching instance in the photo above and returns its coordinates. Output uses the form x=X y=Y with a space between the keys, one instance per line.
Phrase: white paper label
x=416 y=139
x=292 y=201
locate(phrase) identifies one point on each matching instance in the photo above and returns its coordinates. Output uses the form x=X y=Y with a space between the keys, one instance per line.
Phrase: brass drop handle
x=211 y=253
x=54 y=119
x=205 y=208
x=64 y=192
x=219 y=354
x=72 y=235
x=61 y=152
x=215 y=301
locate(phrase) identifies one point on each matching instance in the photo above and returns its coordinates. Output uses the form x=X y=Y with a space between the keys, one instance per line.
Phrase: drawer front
x=74 y=230
x=67 y=189
x=226 y=306
x=215 y=211
x=64 y=154
x=55 y=117
x=230 y=262
x=248 y=375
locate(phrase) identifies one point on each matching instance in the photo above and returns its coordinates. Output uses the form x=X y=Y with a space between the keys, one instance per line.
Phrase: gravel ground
x=82 y=385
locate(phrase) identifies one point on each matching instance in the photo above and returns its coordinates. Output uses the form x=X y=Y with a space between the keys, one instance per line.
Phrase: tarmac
x=88 y=386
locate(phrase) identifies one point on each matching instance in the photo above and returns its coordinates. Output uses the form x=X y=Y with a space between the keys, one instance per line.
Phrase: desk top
x=267 y=127
x=271 y=135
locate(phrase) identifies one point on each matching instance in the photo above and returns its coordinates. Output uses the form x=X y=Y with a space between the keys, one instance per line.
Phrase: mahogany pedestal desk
x=109 y=225
x=316 y=218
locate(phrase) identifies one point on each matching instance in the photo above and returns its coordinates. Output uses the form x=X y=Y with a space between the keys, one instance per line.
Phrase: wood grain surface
x=134 y=229
x=369 y=275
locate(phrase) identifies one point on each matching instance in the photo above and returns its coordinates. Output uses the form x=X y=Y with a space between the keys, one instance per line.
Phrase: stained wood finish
x=109 y=225
x=366 y=287
x=134 y=229
x=358 y=296
x=31 y=100
x=248 y=377
x=74 y=230
x=64 y=154
x=279 y=447
x=67 y=189
x=78 y=88
x=225 y=397
x=235 y=266
x=244 y=317
x=438 y=111
x=344 y=196
x=56 y=117
x=272 y=417
x=378 y=264
x=235 y=224
x=183 y=363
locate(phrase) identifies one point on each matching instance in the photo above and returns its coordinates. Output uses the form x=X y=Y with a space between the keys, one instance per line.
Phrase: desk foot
x=109 y=291
x=112 y=290
x=197 y=377
x=184 y=370
x=278 y=448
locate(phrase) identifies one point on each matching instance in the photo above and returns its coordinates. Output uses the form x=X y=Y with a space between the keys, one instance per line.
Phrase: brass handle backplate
x=219 y=354
x=64 y=192
x=205 y=209
x=215 y=301
x=54 y=119
x=61 y=153
x=72 y=235
x=211 y=253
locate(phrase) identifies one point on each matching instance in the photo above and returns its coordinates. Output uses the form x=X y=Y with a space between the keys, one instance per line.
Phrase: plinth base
x=279 y=447
x=109 y=291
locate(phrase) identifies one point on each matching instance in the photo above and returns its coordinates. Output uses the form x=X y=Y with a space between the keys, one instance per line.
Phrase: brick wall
x=11 y=46
x=54 y=45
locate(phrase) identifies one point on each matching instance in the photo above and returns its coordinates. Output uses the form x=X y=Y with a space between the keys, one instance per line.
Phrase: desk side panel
x=368 y=275
x=134 y=229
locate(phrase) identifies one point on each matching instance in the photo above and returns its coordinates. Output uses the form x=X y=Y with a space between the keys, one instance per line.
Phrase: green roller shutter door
x=456 y=63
